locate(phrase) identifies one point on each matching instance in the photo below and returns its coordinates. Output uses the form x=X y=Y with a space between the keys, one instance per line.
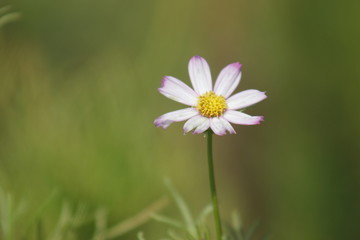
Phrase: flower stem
x=213 y=187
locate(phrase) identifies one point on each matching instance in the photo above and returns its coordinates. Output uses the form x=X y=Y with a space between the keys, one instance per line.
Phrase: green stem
x=213 y=187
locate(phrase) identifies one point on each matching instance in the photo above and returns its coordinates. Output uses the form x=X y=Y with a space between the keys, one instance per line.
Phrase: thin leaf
x=80 y=216
x=10 y=17
x=252 y=230
x=100 y=224
x=204 y=214
x=63 y=222
x=135 y=221
x=237 y=225
x=140 y=236
x=5 y=9
x=233 y=234
x=174 y=235
x=167 y=220
x=184 y=210
x=236 y=221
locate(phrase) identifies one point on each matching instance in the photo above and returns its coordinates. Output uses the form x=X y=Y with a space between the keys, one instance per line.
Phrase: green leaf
x=140 y=236
x=208 y=209
x=167 y=220
x=252 y=229
x=184 y=210
x=174 y=235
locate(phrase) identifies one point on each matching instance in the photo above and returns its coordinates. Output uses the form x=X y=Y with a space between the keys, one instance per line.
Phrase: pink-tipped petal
x=178 y=91
x=245 y=98
x=228 y=80
x=193 y=123
x=227 y=126
x=217 y=126
x=176 y=116
x=242 y=118
x=200 y=76
x=202 y=127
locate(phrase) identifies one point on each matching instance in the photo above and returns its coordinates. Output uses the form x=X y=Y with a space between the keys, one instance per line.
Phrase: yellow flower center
x=211 y=105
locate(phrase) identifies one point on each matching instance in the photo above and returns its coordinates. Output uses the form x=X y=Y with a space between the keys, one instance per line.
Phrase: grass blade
x=184 y=210
x=252 y=229
x=167 y=220
x=133 y=222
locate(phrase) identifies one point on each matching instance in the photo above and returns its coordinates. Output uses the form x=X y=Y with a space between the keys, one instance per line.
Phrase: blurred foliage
x=199 y=228
x=78 y=96
x=17 y=222
x=6 y=16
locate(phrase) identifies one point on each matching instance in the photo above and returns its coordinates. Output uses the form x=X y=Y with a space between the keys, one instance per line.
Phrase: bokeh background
x=78 y=95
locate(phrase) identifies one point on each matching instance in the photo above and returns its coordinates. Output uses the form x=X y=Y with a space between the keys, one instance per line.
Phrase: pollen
x=211 y=105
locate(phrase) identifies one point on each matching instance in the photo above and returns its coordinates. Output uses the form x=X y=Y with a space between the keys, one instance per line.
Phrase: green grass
x=73 y=221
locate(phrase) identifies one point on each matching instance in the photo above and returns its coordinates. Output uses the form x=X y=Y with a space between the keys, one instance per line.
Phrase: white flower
x=210 y=107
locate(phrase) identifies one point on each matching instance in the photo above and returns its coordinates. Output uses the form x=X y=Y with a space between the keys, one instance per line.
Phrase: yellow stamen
x=211 y=105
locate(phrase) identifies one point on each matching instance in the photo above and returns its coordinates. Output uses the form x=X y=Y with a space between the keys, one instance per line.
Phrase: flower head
x=209 y=107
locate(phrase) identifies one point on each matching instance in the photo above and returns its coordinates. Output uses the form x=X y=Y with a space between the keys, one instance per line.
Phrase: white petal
x=203 y=127
x=200 y=76
x=194 y=122
x=176 y=116
x=245 y=98
x=228 y=80
x=227 y=126
x=242 y=118
x=217 y=126
x=178 y=91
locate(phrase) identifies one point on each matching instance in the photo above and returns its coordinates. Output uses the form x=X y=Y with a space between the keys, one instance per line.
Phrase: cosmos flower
x=209 y=107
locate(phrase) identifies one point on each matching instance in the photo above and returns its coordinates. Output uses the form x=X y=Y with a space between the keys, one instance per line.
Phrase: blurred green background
x=78 y=95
